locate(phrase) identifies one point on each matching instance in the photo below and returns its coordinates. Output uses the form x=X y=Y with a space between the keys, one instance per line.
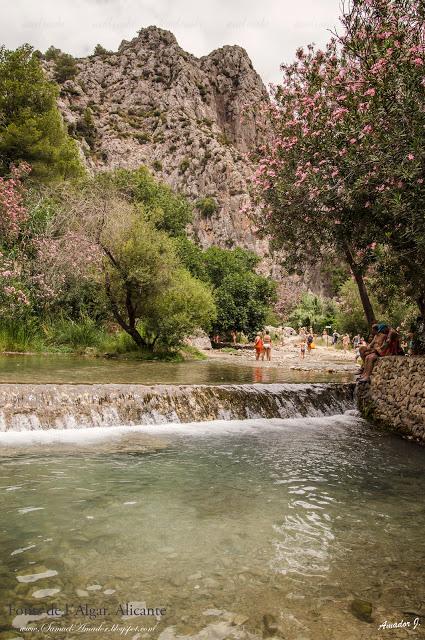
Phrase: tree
x=243 y=297
x=343 y=170
x=186 y=305
x=308 y=174
x=31 y=127
x=100 y=236
x=386 y=41
x=52 y=53
x=313 y=311
x=168 y=211
x=65 y=67
x=99 y=50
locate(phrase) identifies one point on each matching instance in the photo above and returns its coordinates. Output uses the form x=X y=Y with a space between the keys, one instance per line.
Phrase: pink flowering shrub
x=343 y=171
x=13 y=214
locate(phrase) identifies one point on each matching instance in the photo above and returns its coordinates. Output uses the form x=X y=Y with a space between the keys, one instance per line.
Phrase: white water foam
x=92 y=435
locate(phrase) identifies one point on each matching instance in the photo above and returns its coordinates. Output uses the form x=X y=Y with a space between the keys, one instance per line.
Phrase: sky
x=270 y=30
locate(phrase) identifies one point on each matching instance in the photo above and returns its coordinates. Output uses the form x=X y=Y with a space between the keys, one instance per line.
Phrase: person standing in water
x=346 y=342
x=267 y=341
x=259 y=347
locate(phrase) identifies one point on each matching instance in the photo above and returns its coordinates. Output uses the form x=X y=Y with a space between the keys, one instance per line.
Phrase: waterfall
x=25 y=407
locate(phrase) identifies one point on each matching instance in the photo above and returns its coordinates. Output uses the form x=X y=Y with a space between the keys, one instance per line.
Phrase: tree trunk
x=421 y=305
x=129 y=327
x=364 y=296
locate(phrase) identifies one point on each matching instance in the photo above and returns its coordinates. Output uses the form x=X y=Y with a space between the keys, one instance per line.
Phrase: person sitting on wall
x=386 y=342
x=373 y=341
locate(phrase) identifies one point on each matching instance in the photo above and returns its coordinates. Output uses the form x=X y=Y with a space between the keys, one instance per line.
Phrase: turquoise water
x=220 y=524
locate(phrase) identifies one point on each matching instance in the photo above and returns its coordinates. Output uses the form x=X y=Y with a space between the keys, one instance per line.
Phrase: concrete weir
x=25 y=407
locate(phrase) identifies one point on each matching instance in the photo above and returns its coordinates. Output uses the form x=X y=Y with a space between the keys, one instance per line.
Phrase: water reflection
x=62 y=368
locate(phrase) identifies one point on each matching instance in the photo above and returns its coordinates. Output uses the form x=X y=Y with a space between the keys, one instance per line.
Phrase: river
x=219 y=523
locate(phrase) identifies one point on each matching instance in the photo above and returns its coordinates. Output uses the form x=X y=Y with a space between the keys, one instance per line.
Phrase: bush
x=100 y=51
x=207 y=206
x=184 y=166
x=86 y=127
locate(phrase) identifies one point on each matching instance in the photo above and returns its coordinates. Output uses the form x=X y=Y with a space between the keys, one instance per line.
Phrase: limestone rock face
x=191 y=120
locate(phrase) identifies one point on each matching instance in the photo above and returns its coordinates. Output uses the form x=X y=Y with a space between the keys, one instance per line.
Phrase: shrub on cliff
x=65 y=67
x=207 y=206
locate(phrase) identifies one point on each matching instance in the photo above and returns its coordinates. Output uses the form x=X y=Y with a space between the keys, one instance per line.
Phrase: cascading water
x=228 y=506
x=28 y=407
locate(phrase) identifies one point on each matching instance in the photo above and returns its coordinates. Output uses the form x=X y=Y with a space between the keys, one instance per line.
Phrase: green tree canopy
x=168 y=211
x=31 y=127
x=313 y=311
x=242 y=296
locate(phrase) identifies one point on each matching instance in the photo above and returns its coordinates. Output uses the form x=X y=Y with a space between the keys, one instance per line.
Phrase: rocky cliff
x=193 y=121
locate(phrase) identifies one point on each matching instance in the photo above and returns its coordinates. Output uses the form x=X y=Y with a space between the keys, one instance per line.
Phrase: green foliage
x=166 y=301
x=207 y=206
x=350 y=317
x=186 y=305
x=32 y=129
x=142 y=137
x=243 y=297
x=243 y=301
x=52 y=53
x=390 y=304
x=20 y=336
x=221 y=263
x=86 y=127
x=65 y=67
x=168 y=211
x=192 y=257
x=77 y=335
x=313 y=311
x=99 y=50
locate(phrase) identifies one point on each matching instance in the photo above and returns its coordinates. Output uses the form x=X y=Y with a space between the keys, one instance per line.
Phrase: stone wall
x=395 y=397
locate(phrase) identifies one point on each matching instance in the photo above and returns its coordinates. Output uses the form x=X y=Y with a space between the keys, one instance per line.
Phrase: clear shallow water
x=61 y=368
x=289 y=517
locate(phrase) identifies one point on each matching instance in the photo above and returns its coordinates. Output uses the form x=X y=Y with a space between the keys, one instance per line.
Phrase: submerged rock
x=270 y=626
x=362 y=610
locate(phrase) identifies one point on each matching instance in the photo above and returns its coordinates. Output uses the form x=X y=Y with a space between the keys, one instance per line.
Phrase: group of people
x=384 y=341
x=263 y=346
